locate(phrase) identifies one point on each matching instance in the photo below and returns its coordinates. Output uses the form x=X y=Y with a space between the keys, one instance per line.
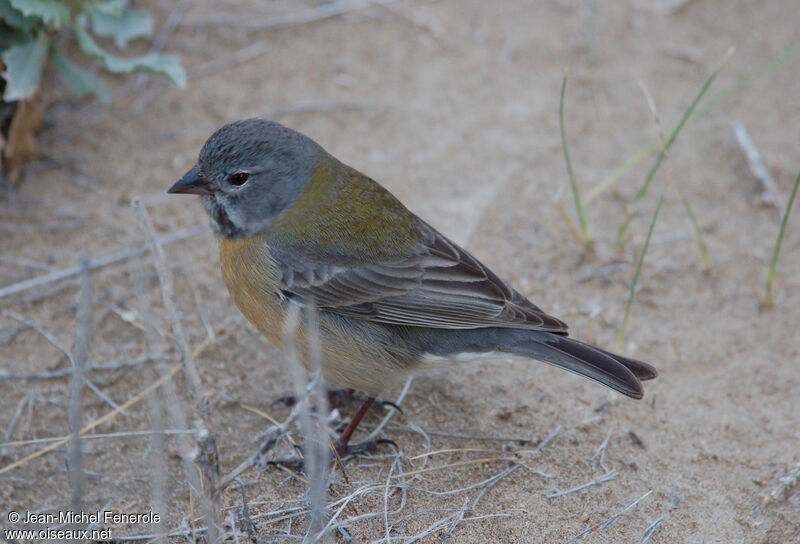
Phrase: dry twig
x=205 y=455
x=609 y=521
x=650 y=529
x=787 y=484
x=769 y=189
x=230 y=60
x=300 y=17
x=98 y=262
x=74 y=451
x=604 y=478
x=99 y=421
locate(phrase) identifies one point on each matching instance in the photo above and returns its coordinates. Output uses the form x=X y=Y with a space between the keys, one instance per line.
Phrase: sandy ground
x=453 y=106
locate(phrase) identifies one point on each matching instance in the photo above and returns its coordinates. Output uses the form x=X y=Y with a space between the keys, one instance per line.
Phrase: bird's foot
x=293 y=464
x=362 y=448
x=343 y=451
x=342 y=446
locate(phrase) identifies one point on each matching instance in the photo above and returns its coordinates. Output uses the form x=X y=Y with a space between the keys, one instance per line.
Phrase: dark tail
x=621 y=374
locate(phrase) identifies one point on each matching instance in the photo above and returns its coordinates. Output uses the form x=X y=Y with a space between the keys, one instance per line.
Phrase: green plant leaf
x=12 y=37
x=24 y=63
x=165 y=65
x=82 y=82
x=14 y=18
x=107 y=7
x=132 y=23
x=54 y=13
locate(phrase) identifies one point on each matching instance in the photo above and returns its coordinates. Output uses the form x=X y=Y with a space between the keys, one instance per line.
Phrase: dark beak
x=192 y=183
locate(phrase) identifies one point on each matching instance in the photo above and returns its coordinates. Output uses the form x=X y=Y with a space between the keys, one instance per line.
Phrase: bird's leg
x=342 y=444
x=344 y=438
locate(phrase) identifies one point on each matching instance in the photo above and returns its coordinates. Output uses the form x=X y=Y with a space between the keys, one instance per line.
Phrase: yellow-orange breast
x=355 y=354
x=250 y=275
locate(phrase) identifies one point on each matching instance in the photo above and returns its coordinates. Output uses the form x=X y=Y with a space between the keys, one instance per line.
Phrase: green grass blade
x=770 y=66
x=773 y=265
x=688 y=113
x=773 y=63
x=639 y=271
x=612 y=179
x=584 y=223
x=701 y=243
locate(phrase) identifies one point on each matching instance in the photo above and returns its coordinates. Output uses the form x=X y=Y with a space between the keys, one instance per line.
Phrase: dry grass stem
x=230 y=60
x=461 y=436
x=458 y=464
x=769 y=189
x=601 y=453
x=300 y=17
x=571 y=228
x=98 y=262
x=61 y=372
x=787 y=485
x=650 y=529
x=665 y=145
x=452 y=450
x=96 y=436
x=205 y=454
x=64 y=349
x=159 y=475
x=316 y=433
x=78 y=358
x=698 y=232
x=603 y=479
x=603 y=524
x=168 y=295
x=89 y=426
x=7 y=443
x=664 y=154
x=392 y=409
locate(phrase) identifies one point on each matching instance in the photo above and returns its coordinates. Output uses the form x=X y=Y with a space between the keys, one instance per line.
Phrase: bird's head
x=248 y=173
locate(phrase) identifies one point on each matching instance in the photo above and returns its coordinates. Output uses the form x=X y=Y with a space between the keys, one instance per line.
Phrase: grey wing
x=441 y=286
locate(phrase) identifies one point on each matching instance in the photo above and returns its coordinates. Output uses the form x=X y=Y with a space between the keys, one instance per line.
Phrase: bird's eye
x=238 y=178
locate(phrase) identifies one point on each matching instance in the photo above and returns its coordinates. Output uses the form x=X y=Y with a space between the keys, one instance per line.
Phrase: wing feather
x=441 y=286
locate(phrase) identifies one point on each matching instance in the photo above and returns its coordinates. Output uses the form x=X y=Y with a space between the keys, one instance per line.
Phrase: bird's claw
x=342 y=451
x=369 y=446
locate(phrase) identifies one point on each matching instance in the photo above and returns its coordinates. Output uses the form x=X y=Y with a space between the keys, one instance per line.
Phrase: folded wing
x=440 y=285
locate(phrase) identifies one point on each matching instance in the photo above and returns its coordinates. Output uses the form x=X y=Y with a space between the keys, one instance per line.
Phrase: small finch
x=297 y=227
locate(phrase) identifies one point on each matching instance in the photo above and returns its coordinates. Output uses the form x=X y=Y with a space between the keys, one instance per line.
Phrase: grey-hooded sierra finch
x=296 y=226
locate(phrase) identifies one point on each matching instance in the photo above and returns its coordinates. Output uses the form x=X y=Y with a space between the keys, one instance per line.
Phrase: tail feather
x=619 y=373
x=640 y=369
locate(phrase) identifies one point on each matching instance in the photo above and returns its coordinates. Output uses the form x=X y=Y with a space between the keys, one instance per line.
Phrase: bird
x=391 y=294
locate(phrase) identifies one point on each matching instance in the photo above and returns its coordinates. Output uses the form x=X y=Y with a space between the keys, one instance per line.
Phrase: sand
x=454 y=107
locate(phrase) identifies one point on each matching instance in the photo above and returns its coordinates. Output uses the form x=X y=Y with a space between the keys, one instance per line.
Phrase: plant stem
x=586 y=237
x=769 y=303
